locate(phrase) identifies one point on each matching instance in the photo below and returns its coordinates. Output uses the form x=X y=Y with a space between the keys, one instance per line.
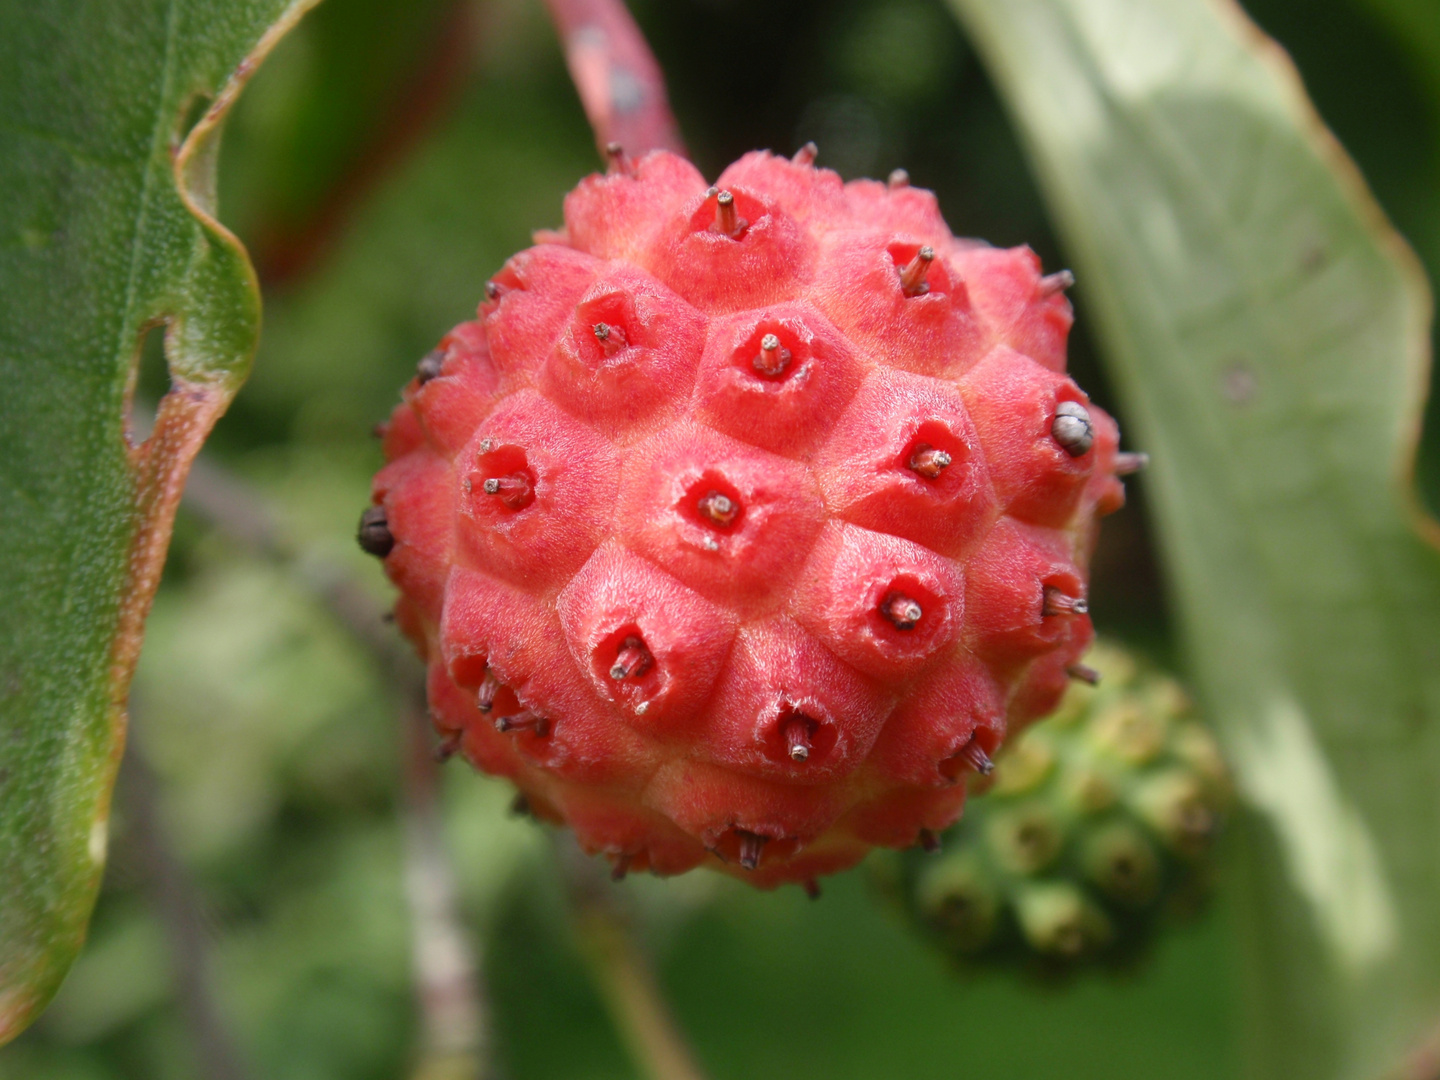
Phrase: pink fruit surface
x=746 y=519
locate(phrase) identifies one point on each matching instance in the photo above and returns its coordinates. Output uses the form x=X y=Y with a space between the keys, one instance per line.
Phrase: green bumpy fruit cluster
x=1095 y=823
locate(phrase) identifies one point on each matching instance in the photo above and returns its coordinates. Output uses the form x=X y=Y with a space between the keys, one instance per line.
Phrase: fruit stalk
x=454 y=1020
x=620 y=83
x=620 y=972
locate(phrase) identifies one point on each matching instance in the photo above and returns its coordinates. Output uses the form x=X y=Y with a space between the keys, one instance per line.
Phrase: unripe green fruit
x=1095 y=823
x=962 y=901
x=1059 y=919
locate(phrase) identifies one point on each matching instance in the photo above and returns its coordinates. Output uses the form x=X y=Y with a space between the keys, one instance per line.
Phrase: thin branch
x=620 y=971
x=620 y=82
x=176 y=899
x=454 y=1040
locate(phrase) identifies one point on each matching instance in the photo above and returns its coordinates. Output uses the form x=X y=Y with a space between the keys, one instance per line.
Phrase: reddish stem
x=620 y=82
x=454 y=1016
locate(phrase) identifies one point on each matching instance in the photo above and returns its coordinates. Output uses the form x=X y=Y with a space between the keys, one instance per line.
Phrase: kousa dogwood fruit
x=746 y=517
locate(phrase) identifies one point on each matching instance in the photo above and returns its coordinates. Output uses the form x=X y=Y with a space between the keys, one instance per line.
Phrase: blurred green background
x=383 y=164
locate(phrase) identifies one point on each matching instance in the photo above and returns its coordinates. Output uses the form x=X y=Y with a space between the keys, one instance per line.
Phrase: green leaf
x=109 y=124
x=1268 y=333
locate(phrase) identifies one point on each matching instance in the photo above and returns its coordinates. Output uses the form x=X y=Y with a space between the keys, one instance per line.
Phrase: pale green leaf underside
x=1267 y=332
x=96 y=244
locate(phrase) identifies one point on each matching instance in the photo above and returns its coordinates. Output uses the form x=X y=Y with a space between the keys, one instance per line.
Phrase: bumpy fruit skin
x=663 y=513
x=1095 y=824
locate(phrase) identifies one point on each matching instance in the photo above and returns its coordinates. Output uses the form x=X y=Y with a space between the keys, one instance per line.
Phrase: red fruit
x=746 y=518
